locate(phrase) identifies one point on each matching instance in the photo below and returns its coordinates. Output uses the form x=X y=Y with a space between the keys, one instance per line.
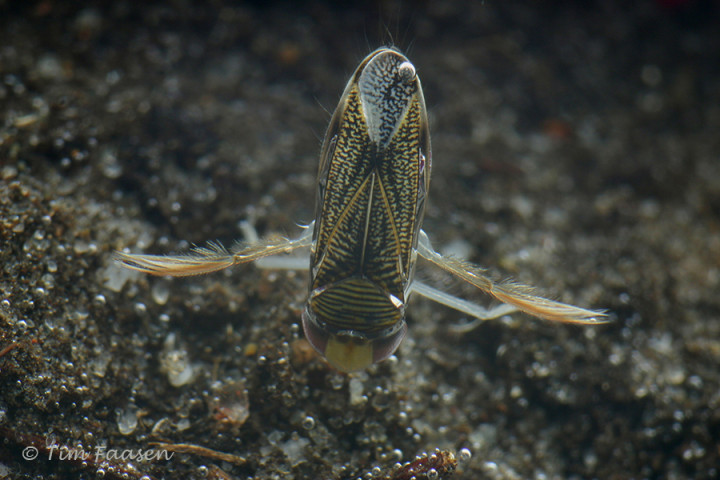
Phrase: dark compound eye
x=385 y=346
x=315 y=334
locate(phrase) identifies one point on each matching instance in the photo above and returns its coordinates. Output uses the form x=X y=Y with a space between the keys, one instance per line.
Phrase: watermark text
x=100 y=453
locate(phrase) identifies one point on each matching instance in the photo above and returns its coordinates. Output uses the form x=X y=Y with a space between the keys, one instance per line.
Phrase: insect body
x=373 y=178
x=374 y=174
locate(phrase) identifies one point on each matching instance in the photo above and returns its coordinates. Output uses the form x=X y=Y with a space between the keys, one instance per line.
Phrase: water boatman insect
x=372 y=184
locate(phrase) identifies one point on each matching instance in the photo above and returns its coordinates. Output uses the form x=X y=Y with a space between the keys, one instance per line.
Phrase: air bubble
x=48 y=280
x=81 y=246
x=109 y=164
x=397 y=454
x=336 y=381
x=308 y=423
x=160 y=293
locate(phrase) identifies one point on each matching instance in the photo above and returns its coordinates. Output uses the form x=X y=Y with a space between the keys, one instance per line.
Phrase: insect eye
x=315 y=334
x=385 y=346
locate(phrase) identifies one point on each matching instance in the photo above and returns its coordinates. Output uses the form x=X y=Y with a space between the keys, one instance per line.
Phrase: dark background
x=575 y=147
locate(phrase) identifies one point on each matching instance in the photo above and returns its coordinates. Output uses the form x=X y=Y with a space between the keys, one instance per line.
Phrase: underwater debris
x=200 y=451
x=438 y=465
x=9 y=348
x=229 y=404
